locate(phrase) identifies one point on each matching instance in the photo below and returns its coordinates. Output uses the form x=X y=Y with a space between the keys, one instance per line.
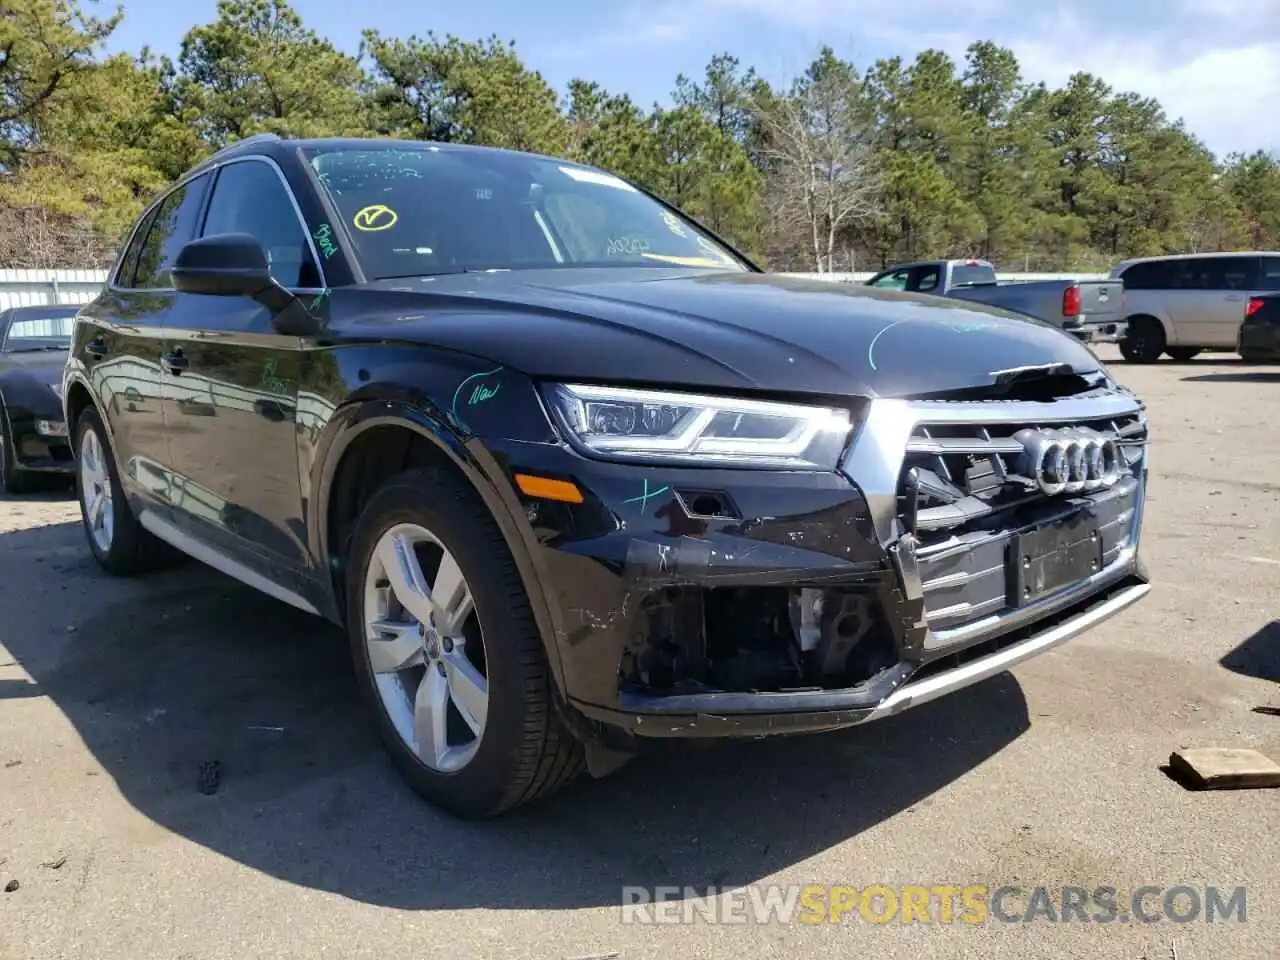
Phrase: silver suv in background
x=1183 y=304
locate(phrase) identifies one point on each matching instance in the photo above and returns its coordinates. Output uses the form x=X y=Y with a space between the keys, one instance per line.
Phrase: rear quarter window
x=1269 y=274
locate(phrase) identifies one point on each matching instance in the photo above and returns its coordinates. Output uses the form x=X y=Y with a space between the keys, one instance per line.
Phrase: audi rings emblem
x=1069 y=461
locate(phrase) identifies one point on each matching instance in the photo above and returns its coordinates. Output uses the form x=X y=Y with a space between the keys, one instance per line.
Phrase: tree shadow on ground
x=165 y=673
x=1252 y=376
x=1258 y=656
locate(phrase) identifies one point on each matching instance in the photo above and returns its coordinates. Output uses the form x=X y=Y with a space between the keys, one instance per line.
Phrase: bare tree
x=819 y=155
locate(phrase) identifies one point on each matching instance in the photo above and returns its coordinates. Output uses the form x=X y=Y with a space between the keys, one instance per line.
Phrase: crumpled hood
x=725 y=330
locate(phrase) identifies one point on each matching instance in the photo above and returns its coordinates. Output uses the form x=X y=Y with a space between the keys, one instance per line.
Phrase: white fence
x=23 y=288
x=20 y=288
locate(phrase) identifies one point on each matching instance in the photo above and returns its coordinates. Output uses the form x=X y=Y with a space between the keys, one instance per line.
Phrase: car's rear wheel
x=12 y=479
x=448 y=653
x=119 y=543
x=1144 y=341
x=1183 y=354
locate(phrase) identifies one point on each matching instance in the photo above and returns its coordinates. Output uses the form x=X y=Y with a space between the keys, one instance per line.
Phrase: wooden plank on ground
x=1223 y=768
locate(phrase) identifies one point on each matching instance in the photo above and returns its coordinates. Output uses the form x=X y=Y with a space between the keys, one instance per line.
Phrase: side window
x=892 y=281
x=1269 y=274
x=1152 y=275
x=129 y=262
x=173 y=225
x=923 y=279
x=1238 y=273
x=1219 y=273
x=249 y=197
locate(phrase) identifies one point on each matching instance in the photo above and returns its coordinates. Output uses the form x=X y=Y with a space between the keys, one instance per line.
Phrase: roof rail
x=255 y=138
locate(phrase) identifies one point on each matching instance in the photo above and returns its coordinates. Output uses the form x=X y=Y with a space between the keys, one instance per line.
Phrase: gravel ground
x=113 y=694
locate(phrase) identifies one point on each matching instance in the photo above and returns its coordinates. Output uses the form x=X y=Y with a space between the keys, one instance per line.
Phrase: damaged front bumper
x=722 y=603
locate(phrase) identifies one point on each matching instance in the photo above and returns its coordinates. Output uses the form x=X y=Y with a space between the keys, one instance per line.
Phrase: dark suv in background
x=573 y=472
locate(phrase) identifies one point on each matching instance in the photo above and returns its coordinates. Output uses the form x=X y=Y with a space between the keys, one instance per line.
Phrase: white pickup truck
x=1092 y=310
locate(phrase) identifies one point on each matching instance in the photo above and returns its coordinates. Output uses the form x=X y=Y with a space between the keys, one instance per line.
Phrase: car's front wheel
x=1144 y=341
x=447 y=650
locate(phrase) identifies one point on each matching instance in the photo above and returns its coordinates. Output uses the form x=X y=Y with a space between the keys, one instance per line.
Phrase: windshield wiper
x=435 y=273
x=37 y=349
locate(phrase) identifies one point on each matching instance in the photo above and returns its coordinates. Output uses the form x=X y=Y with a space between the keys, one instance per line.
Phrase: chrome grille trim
x=977 y=445
x=891 y=431
x=874 y=462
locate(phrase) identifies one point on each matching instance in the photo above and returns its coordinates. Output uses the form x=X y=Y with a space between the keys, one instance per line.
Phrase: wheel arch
x=1164 y=322
x=388 y=436
x=78 y=397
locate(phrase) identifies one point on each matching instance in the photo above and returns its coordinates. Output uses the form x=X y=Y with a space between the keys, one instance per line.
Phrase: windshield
x=29 y=331
x=421 y=210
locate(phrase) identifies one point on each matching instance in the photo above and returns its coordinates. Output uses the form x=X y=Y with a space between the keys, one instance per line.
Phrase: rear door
x=1209 y=306
x=231 y=408
x=926 y=278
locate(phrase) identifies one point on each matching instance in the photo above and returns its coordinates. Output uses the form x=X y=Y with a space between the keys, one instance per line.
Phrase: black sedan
x=1260 y=333
x=33 y=435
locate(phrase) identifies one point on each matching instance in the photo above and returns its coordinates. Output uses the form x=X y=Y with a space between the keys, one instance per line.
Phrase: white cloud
x=1226 y=96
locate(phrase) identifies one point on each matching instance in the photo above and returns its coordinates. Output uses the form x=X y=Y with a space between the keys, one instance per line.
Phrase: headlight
x=652 y=425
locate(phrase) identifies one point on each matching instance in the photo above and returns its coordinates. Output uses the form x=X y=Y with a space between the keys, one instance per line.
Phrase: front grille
x=964 y=498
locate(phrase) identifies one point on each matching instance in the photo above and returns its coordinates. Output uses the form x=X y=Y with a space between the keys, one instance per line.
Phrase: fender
x=75 y=377
x=472 y=460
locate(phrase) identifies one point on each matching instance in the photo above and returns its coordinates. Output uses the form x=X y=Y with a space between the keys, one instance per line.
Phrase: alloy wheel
x=95 y=491
x=425 y=647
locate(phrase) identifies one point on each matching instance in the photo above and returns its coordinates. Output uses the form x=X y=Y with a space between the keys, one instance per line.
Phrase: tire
x=12 y=479
x=1182 y=354
x=522 y=750
x=128 y=548
x=1144 y=341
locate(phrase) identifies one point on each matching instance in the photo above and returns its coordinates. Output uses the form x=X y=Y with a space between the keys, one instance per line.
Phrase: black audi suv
x=573 y=472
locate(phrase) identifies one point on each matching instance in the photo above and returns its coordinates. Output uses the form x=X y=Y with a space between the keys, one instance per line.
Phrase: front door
x=231 y=405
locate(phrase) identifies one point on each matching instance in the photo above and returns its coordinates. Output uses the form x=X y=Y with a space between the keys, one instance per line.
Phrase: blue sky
x=1215 y=63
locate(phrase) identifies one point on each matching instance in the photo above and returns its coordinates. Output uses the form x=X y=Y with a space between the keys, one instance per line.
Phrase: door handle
x=175 y=361
x=96 y=347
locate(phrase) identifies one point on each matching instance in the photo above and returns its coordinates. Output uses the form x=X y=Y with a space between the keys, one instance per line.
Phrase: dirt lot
x=112 y=695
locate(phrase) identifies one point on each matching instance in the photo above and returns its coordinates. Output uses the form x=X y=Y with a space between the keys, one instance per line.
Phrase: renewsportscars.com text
x=973 y=904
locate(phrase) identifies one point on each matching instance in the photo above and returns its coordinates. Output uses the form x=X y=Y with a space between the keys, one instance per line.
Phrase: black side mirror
x=226 y=264
x=236 y=265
